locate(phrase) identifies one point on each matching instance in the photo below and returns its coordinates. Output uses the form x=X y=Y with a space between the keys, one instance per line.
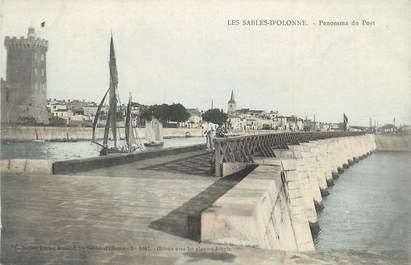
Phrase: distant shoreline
x=85 y=140
x=67 y=134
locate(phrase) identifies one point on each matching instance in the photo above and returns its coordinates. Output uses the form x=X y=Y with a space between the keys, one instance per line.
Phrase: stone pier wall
x=254 y=213
x=393 y=142
x=276 y=205
x=37 y=166
x=28 y=133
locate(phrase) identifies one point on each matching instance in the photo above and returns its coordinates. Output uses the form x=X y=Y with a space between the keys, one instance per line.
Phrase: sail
x=149 y=131
x=107 y=128
x=133 y=137
x=113 y=88
x=98 y=114
x=154 y=130
x=113 y=65
x=129 y=128
x=158 y=130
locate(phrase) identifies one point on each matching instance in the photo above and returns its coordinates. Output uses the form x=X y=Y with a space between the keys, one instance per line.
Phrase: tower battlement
x=25 y=43
x=31 y=42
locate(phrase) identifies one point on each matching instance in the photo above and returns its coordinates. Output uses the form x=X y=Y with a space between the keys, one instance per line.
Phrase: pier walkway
x=135 y=205
x=144 y=212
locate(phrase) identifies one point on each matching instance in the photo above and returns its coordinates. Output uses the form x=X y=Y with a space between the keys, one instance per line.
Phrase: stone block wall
x=393 y=142
x=276 y=205
x=254 y=213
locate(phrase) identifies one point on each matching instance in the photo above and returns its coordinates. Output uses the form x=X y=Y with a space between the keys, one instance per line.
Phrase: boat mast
x=107 y=127
x=128 y=123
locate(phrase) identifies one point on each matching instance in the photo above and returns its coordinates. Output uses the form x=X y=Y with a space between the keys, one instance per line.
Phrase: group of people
x=214 y=130
x=105 y=150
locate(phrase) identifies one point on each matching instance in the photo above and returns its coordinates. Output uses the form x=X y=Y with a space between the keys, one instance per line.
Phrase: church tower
x=231 y=104
x=24 y=92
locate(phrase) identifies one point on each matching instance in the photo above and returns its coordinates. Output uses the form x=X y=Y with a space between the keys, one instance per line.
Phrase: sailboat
x=131 y=143
x=154 y=133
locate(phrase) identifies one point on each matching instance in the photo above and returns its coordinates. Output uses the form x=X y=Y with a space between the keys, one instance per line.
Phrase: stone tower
x=231 y=104
x=24 y=92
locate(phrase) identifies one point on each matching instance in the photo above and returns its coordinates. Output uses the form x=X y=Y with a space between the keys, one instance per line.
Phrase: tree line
x=178 y=113
x=166 y=113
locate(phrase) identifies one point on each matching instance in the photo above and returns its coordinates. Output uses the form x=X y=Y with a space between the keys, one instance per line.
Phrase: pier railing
x=243 y=149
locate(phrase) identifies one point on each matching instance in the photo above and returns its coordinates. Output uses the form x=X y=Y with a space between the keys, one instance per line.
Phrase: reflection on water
x=71 y=150
x=370 y=206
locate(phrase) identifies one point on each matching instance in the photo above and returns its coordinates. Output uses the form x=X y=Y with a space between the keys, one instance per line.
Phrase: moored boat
x=131 y=144
x=154 y=133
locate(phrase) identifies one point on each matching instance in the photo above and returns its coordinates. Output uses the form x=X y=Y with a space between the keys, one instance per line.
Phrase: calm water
x=370 y=206
x=62 y=151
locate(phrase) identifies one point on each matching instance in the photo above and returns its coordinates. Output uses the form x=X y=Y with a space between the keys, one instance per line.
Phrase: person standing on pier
x=210 y=134
x=345 y=122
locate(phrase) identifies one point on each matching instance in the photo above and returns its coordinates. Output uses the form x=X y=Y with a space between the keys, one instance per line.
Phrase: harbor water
x=369 y=207
x=72 y=150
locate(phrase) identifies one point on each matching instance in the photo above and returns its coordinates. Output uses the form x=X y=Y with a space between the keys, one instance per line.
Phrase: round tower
x=24 y=92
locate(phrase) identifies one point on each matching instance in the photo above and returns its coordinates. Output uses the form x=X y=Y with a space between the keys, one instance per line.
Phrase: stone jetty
x=170 y=208
x=276 y=205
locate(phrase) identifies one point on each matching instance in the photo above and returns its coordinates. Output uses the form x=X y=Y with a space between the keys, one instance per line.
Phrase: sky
x=185 y=52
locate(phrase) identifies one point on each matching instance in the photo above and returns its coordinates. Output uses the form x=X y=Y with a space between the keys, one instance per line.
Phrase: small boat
x=111 y=122
x=38 y=140
x=154 y=144
x=154 y=133
x=68 y=139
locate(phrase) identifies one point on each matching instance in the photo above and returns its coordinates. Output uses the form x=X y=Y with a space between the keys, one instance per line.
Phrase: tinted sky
x=184 y=52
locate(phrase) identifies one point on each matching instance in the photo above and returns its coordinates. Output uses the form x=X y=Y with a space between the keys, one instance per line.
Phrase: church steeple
x=232 y=97
x=231 y=104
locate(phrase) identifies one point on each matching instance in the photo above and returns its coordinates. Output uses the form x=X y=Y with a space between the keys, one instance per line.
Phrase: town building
x=243 y=119
x=387 y=128
x=81 y=112
x=195 y=120
x=24 y=92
